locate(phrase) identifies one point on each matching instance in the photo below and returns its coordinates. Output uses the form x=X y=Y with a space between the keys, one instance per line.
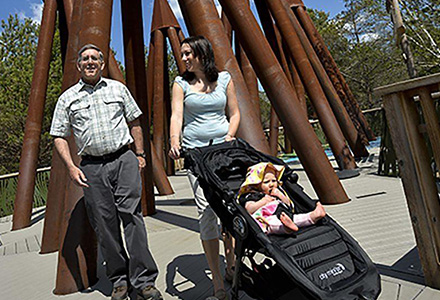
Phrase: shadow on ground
x=407 y=268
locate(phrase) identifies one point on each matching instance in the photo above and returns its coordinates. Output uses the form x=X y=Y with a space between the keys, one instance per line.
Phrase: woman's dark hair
x=202 y=49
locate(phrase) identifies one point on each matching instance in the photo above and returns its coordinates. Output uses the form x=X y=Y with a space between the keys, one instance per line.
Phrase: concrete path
x=376 y=216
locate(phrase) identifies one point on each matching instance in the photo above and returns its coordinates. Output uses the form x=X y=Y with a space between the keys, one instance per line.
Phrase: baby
x=266 y=201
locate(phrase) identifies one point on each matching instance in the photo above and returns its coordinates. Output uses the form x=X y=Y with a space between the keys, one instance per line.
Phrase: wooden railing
x=413 y=122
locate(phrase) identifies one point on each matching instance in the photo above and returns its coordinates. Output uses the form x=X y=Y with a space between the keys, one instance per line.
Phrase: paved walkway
x=376 y=216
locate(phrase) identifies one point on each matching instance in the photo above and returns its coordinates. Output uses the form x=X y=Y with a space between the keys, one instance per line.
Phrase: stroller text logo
x=335 y=271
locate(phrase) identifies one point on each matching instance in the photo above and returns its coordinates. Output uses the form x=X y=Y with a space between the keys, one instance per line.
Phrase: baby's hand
x=268 y=198
x=276 y=192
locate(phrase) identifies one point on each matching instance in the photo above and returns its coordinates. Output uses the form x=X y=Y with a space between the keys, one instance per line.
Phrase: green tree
x=422 y=22
x=360 y=39
x=17 y=55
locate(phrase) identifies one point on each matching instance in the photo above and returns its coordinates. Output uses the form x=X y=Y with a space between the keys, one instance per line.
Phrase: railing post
x=415 y=164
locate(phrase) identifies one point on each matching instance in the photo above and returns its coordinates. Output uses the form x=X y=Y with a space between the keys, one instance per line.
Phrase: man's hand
x=142 y=162
x=77 y=176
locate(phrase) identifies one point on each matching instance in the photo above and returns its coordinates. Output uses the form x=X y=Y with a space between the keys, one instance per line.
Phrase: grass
x=8 y=188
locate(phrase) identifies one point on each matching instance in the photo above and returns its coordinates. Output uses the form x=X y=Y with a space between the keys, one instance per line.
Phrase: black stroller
x=318 y=262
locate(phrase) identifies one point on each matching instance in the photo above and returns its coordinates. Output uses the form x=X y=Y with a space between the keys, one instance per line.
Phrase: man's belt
x=106 y=157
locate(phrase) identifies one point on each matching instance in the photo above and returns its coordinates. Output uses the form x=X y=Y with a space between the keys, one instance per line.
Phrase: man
x=97 y=110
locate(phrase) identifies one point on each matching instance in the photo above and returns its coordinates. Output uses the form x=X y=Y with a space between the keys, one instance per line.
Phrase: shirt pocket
x=114 y=107
x=79 y=111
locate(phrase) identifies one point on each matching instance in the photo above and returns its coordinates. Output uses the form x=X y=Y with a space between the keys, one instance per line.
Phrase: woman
x=201 y=98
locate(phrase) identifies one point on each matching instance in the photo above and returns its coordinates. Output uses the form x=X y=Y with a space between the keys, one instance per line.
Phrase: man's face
x=90 y=66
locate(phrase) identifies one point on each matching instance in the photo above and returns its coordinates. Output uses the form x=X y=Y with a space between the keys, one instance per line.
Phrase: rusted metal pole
x=285 y=102
x=326 y=117
x=228 y=28
x=77 y=269
x=159 y=176
x=181 y=36
x=204 y=20
x=249 y=76
x=175 y=45
x=169 y=162
x=63 y=30
x=158 y=95
x=58 y=174
x=150 y=78
x=351 y=134
x=335 y=74
x=273 y=132
x=299 y=86
x=114 y=72
x=32 y=131
x=131 y=12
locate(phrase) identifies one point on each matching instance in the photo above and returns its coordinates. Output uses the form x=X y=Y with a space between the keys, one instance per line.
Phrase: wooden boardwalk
x=376 y=216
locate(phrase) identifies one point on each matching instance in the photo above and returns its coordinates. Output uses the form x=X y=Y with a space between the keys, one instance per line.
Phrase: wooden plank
x=21 y=247
x=418 y=182
x=407 y=85
x=33 y=244
x=432 y=122
x=9 y=249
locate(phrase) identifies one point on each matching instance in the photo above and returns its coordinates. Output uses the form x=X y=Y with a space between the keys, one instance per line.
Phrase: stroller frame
x=311 y=274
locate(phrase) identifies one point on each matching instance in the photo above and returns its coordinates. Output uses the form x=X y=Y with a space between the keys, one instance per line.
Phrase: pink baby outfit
x=270 y=223
x=265 y=216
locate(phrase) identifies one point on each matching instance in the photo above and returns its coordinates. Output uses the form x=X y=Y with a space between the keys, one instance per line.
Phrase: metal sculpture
x=295 y=62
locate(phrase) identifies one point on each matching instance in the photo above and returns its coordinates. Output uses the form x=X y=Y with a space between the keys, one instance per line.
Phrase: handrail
x=10 y=175
x=410 y=112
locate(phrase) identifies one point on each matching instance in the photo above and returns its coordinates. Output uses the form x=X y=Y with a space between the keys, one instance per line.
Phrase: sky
x=33 y=9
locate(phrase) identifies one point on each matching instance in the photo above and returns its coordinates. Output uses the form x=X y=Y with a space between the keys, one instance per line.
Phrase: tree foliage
x=18 y=41
x=422 y=22
x=362 y=41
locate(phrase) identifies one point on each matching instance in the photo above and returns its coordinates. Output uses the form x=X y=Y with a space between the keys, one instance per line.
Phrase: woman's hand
x=174 y=152
x=229 y=138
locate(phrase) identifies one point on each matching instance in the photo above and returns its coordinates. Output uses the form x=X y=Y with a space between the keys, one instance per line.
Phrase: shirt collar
x=83 y=85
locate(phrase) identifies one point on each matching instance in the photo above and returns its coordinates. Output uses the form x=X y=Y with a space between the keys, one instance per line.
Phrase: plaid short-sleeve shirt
x=97 y=115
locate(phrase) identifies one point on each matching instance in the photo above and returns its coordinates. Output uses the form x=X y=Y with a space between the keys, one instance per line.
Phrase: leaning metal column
x=286 y=103
x=158 y=94
x=77 y=272
x=353 y=137
x=58 y=173
x=32 y=131
x=131 y=11
x=335 y=75
x=326 y=117
x=204 y=20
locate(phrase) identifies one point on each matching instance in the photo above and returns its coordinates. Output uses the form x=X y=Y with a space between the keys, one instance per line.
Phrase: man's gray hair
x=90 y=46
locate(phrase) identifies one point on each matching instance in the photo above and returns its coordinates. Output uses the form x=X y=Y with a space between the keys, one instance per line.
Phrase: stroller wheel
x=240 y=227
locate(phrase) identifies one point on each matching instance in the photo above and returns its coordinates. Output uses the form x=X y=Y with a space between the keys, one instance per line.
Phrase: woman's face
x=269 y=182
x=192 y=63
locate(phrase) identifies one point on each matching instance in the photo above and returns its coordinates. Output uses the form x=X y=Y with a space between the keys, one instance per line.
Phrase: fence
x=8 y=188
x=413 y=122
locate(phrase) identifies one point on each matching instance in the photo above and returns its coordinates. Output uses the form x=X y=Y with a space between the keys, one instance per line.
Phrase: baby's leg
x=276 y=226
x=310 y=218
x=288 y=223
x=318 y=213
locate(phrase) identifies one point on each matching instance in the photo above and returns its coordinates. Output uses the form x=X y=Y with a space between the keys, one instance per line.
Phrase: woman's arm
x=233 y=111
x=176 y=121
